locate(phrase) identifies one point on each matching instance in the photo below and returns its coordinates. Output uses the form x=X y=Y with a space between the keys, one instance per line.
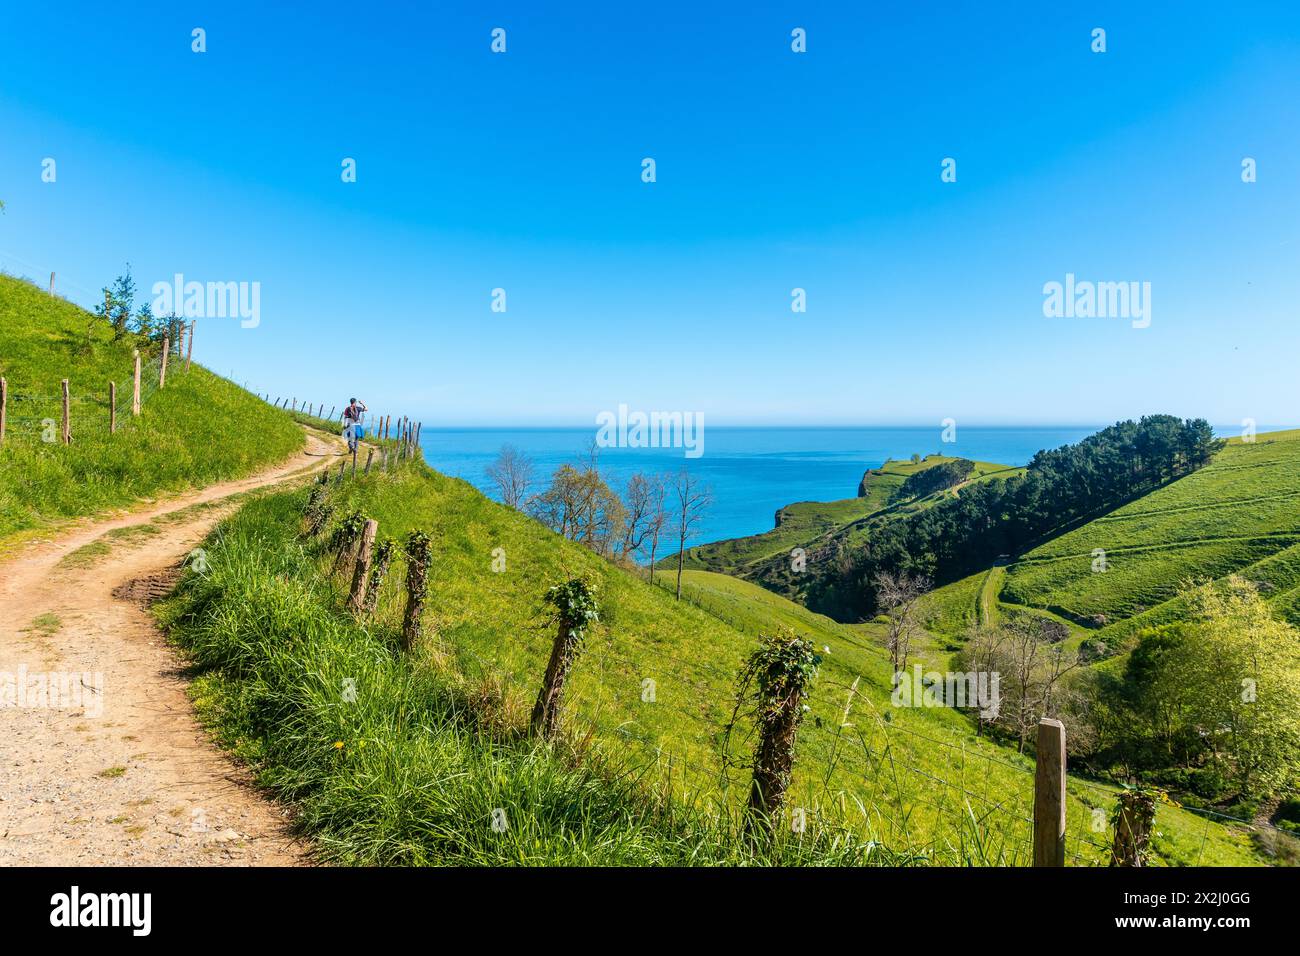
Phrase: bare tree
x=691 y=500
x=898 y=594
x=513 y=473
x=640 y=491
x=1032 y=661
x=657 y=520
x=582 y=507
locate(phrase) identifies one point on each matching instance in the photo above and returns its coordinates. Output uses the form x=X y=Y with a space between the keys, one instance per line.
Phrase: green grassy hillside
x=815 y=526
x=393 y=780
x=1239 y=514
x=199 y=429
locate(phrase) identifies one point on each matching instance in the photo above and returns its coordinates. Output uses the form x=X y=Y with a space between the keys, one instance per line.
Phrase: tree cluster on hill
x=580 y=504
x=117 y=309
x=936 y=478
x=1006 y=516
x=1207 y=705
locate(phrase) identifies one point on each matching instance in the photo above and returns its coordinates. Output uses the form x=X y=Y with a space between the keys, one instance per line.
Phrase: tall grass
x=413 y=768
x=388 y=760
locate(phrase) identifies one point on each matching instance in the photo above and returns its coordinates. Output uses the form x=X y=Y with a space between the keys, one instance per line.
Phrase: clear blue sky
x=775 y=170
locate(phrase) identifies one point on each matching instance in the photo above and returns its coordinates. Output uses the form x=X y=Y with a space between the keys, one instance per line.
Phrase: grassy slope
x=197 y=430
x=913 y=778
x=810 y=524
x=1239 y=514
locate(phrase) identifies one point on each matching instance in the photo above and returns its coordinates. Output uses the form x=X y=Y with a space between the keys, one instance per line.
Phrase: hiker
x=352 y=429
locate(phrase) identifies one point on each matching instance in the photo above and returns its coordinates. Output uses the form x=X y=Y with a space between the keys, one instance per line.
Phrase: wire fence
x=38 y=418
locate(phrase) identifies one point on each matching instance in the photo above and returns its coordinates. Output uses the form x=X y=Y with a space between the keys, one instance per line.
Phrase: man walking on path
x=351 y=422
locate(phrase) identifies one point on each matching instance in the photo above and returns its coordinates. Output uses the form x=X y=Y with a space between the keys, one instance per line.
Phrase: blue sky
x=775 y=170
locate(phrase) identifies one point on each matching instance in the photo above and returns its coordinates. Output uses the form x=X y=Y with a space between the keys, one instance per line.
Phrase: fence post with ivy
x=345 y=538
x=383 y=558
x=417 y=587
x=361 y=570
x=776 y=681
x=575 y=610
x=1133 y=820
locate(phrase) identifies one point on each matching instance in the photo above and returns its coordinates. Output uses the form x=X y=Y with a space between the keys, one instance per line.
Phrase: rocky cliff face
x=862 y=485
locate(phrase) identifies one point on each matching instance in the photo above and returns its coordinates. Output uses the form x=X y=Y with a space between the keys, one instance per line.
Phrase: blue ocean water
x=751 y=471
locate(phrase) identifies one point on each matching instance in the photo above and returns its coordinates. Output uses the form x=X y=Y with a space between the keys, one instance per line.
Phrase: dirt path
x=116 y=769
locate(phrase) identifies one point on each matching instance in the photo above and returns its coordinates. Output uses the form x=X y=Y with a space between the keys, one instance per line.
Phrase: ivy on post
x=361 y=570
x=774 y=683
x=383 y=558
x=1132 y=822
x=417 y=587
x=575 y=610
x=346 y=536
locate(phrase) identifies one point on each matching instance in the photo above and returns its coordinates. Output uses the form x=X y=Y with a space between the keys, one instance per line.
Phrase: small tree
x=898 y=595
x=119 y=299
x=581 y=506
x=638 y=506
x=145 y=324
x=1031 y=664
x=691 y=501
x=512 y=473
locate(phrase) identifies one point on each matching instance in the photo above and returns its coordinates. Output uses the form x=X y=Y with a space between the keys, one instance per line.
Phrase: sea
x=751 y=471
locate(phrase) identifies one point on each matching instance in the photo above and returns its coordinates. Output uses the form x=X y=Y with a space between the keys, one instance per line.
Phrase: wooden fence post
x=135 y=401
x=575 y=607
x=361 y=572
x=4 y=407
x=342 y=467
x=332 y=408
x=1049 y=794
x=782 y=670
x=189 y=349
x=51 y=283
x=355 y=446
x=67 y=415
x=370 y=456
x=112 y=408
x=162 y=370
x=1137 y=813
x=295 y=404
x=417 y=587
x=383 y=558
